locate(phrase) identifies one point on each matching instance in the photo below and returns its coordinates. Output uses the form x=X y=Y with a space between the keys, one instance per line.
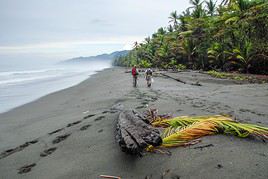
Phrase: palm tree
x=161 y=31
x=244 y=4
x=174 y=19
x=243 y=55
x=188 y=49
x=211 y=7
x=136 y=45
x=195 y=3
x=216 y=55
x=229 y=2
x=198 y=12
x=186 y=13
x=197 y=6
x=231 y=37
x=163 y=54
x=224 y=2
x=183 y=20
x=241 y=4
x=147 y=39
x=170 y=28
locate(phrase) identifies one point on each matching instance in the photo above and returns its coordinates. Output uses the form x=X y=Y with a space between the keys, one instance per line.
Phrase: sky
x=62 y=29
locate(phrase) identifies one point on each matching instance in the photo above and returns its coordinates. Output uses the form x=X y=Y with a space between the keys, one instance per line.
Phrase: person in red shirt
x=135 y=75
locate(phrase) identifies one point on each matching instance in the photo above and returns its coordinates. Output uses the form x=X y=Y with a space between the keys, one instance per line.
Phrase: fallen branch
x=179 y=80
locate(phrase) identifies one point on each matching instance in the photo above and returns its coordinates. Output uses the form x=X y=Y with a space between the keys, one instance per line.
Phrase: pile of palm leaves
x=186 y=130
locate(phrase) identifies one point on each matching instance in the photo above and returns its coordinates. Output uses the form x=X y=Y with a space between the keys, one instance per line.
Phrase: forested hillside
x=230 y=35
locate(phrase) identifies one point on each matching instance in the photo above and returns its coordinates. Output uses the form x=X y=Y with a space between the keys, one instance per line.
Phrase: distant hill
x=106 y=57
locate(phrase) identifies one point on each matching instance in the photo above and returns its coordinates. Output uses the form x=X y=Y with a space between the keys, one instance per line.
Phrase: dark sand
x=70 y=133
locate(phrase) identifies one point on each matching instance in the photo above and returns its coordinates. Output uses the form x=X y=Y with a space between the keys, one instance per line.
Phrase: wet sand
x=70 y=133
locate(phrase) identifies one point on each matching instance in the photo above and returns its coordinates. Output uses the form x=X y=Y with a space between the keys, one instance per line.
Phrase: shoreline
x=54 y=91
x=28 y=109
x=70 y=133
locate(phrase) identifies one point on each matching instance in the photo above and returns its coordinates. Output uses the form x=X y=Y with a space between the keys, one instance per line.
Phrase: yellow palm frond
x=185 y=130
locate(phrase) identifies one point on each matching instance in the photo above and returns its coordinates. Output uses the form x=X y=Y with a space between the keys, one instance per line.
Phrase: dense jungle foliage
x=231 y=35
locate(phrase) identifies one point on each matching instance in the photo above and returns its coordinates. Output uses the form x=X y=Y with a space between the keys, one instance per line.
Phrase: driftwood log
x=134 y=133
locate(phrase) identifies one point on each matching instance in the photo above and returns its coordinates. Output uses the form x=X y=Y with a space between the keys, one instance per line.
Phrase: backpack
x=149 y=72
x=134 y=71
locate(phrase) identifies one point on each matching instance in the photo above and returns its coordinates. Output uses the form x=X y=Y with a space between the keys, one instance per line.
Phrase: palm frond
x=184 y=120
x=189 y=133
x=185 y=130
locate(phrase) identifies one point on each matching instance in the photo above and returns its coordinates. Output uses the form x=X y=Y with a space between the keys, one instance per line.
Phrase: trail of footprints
x=216 y=107
x=203 y=104
x=145 y=97
x=200 y=103
x=17 y=149
x=27 y=168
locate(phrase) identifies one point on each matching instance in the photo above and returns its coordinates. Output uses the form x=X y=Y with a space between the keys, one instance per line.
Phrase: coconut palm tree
x=170 y=28
x=174 y=19
x=188 y=49
x=147 y=40
x=198 y=12
x=136 y=45
x=195 y=3
x=211 y=7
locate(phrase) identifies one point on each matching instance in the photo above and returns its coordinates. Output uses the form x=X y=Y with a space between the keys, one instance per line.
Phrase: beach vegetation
x=238 y=76
x=228 y=36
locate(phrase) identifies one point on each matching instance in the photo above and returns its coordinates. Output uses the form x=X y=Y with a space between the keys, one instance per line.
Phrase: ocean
x=23 y=84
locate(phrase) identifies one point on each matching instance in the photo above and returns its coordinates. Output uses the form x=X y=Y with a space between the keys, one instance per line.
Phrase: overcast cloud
x=59 y=29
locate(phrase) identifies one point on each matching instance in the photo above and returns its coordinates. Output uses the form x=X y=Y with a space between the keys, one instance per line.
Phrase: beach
x=70 y=133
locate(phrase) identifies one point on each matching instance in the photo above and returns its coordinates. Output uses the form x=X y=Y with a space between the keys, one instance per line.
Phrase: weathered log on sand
x=134 y=133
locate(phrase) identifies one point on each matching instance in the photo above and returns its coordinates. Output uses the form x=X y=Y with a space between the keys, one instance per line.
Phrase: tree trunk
x=134 y=133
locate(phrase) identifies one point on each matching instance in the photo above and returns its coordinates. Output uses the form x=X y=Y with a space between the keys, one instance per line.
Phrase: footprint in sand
x=140 y=107
x=89 y=116
x=144 y=103
x=32 y=142
x=48 y=151
x=60 y=138
x=99 y=118
x=112 y=112
x=74 y=123
x=219 y=166
x=85 y=127
x=104 y=112
x=56 y=131
x=17 y=149
x=26 y=168
x=153 y=99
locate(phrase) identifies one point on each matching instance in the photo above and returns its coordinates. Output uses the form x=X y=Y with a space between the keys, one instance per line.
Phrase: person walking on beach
x=148 y=77
x=134 y=75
